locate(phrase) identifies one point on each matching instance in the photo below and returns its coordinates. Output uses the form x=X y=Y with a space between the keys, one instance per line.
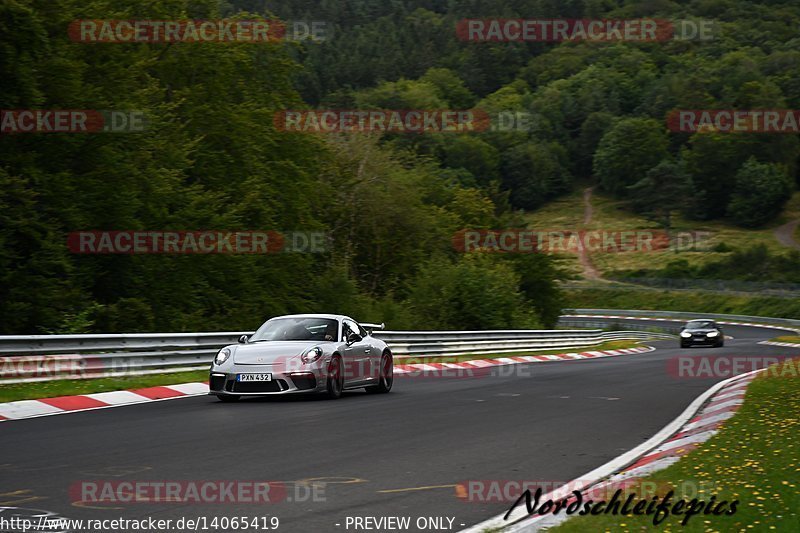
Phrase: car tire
x=227 y=398
x=685 y=345
x=335 y=383
x=720 y=344
x=386 y=378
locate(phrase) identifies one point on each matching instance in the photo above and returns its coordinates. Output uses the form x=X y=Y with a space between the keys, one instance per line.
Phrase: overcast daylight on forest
x=564 y=234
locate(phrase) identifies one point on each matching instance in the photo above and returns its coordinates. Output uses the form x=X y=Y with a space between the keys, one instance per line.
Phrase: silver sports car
x=302 y=354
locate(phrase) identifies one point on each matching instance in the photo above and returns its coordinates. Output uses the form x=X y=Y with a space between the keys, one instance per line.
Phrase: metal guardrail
x=671 y=328
x=30 y=358
x=444 y=343
x=51 y=357
x=683 y=315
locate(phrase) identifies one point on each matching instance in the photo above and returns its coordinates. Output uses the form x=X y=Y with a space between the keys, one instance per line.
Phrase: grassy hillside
x=608 y=214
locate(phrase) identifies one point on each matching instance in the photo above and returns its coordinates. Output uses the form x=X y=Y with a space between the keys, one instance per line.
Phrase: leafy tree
x=592 y=130
x=449 y=87
x=664 y=190
x=714 y=158
x=534 y=173
x=381 y=224
x=403 y=94
x=627 y=151
x=539 y=275
x=470 y=153
x=761 y=191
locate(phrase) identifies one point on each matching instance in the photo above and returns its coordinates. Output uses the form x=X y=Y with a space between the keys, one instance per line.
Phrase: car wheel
x=684 y=345
x=386 y=379
x=227 y=398
x=720 y=344
x=335 y=383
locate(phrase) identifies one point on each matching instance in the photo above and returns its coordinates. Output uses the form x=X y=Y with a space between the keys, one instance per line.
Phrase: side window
x=348 y=326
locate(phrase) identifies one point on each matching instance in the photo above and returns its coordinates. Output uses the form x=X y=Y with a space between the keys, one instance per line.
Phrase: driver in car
x=330 y=332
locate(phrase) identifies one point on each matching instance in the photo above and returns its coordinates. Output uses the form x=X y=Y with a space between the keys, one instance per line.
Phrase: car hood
x=271 y=352
x=700 y=330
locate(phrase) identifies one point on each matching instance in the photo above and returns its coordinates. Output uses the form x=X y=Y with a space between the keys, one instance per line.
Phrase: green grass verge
x=755 y=459
x=788 y=338
x=69 y=387
x=696 y=302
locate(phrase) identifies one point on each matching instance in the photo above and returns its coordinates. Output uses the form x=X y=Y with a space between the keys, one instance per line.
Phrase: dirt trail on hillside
x=589 y=270
x=785 y=234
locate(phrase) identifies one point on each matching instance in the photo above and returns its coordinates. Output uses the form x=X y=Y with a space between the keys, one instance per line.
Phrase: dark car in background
x=703 y=332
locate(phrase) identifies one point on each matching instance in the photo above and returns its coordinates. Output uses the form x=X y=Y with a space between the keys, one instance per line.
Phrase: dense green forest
x=212 y=158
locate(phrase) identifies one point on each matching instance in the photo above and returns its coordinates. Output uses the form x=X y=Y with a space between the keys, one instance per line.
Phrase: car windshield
x=700 y=324
x=297 y=329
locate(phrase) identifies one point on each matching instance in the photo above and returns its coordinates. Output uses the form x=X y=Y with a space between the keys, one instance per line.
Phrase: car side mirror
x=243 y=339
x=353 y=338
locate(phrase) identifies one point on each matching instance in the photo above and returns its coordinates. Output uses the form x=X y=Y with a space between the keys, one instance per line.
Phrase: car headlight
x=222 y=356
x=312 y=355
x=685 y=334
x=712 y=333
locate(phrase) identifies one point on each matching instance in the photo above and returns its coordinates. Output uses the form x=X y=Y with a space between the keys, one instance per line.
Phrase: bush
x=477 y=292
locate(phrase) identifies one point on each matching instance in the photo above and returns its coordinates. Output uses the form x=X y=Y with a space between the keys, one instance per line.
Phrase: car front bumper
x=701 y=340
x=283 y=381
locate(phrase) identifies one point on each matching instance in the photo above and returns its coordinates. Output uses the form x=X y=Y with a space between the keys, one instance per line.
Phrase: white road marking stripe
x=26 y=408
x=732 y=394
x=118 y=397
x=649 y=468
x=708 y=420
x=423 y=366
x=189 y=388
x=480 y=363
x=723 y=405
x=677 y=444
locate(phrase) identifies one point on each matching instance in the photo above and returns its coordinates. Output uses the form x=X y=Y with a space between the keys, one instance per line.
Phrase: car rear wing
x=371 y=327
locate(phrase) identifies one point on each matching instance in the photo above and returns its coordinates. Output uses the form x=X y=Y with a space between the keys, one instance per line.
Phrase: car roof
x=315 y=315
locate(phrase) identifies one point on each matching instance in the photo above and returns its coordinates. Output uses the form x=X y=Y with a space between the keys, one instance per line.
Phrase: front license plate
x=254 y=377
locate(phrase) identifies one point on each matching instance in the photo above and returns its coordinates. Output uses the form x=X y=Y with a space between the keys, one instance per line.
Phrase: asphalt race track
x=548 y=421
